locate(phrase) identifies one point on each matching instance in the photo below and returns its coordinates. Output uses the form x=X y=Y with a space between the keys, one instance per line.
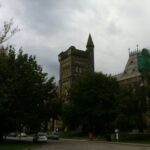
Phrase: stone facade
x=131 y=74
x=73 y=62
x=137 y=64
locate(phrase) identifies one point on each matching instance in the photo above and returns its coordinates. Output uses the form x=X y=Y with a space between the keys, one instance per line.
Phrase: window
x=76 y=69
x=80 y=69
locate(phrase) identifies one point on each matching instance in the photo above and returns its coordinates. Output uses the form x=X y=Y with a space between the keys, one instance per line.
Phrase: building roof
x=89 y=42
x=73 y=51
x=131 y=69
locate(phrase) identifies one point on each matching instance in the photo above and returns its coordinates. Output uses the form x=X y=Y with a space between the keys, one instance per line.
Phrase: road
x=86 y=145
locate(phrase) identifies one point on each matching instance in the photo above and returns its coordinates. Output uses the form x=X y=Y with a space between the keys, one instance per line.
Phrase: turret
x=90 y=42
x=90 y=51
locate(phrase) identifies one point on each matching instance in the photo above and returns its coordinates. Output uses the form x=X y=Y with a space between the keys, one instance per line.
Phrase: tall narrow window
x=80 y=69
x=76 y=69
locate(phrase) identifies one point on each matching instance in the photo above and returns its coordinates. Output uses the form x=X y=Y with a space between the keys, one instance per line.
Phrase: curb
x=117 y=143
x=124 y=143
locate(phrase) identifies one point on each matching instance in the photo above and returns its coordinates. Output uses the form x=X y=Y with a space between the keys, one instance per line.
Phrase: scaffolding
x=144 y=61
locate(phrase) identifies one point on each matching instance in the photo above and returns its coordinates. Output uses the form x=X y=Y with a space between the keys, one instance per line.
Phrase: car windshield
x=41 y=134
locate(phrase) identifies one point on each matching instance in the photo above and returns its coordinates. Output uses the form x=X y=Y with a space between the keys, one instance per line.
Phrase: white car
x=40 y=137
x=22 y=134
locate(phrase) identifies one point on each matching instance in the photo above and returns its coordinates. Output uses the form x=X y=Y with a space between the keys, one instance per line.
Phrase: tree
x=24 y=92
x=92 y=103
x=127 y=110
x=26 y=82
x=51 y=108
x=4 y=110
x=7 y=31
x=132 y=108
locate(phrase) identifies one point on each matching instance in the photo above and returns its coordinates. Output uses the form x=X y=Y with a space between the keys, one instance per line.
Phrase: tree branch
x=7 y=31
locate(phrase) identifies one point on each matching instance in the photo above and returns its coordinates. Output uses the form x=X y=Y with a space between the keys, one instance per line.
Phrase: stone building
x=73 y=62
x=137 y=64
x=131 y=73
x=134 y=76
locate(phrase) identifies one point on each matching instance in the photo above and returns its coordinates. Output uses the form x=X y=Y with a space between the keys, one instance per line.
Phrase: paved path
x=87 y=145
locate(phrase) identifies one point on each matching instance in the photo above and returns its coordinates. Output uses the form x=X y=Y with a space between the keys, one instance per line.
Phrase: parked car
x=22 y=134
x=53 y=136
x=40 y=137
x=13 y=134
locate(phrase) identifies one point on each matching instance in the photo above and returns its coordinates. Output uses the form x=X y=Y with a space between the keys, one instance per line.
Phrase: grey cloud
x=50 y=26
x=47 y=17
x=114 y=28
x=51 y=67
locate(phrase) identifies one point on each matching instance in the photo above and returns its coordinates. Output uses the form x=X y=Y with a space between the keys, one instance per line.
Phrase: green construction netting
x=144 y=61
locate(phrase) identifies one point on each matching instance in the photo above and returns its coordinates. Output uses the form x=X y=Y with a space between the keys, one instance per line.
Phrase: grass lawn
x=15 y=145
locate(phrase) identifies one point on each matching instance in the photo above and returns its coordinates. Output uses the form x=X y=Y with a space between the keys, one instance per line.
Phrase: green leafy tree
x=26 y=96
x=92 y=104
x=4 y=110
x=132 y=108
x=51 y=108
x=127 y=109
x=26 y=82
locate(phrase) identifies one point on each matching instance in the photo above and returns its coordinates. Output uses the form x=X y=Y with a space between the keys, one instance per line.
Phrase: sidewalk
x=124 y=143
x=107 y=142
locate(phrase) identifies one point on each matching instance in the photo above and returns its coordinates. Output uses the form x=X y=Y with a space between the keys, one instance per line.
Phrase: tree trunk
x=53 y=124
x=45 y=126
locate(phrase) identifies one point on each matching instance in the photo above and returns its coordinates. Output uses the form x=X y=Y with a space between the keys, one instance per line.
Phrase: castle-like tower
x=73 y=62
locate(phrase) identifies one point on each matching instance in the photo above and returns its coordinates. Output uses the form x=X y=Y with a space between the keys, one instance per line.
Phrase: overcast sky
x=51 y=26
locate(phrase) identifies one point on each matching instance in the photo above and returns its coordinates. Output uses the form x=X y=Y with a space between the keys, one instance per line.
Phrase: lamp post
x=117 y=134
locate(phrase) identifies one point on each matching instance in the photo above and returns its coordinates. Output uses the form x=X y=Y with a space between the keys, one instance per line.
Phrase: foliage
x=16 y=145
x=7 y=31
x=133 y=106
x=27 y=98
x=51 y=106
x=133 y=137
x=92 y=103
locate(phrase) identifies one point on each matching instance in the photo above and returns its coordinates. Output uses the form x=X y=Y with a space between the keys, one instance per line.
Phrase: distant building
x=137 y=64
x=73 y=62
